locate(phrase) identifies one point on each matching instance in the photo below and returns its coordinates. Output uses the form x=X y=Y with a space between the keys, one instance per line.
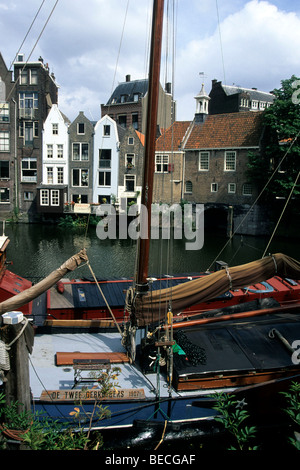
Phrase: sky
x=91 y=45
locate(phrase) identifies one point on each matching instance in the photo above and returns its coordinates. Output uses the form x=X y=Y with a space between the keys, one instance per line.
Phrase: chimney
x=128 y=78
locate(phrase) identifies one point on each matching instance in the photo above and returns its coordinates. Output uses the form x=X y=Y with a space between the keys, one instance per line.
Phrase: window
x=136 y=97
x=4 y=141
x=129 y=183
x=104 y=178
x=80 y=177
x=204 y=161
x=161 y=163
x=231 y=188
x=33 y=76
x=214 y=187
x=80 y=151
x=254 y=104
x=49 y=151
x=4 y=195
x=28 y=130
x=130 y=141
x=4 y=112
x=60 y=151
x=54 y=128
x=23 y=77
x=247 y=189
x=104 y=199
x=50 y=175
x=104 y=158
x=60 y=175
x=123 y=98
x=44 y=197
x=106 y=130
x=80 y=128
x=54 y=197
x=4 y=169
x=28 y=168
x=122 y=120
x=230 y=161
x=80 y=198
x=28 y=196
x=129 y=160
x=28 y=103
x=189 y=187
x=135 y=120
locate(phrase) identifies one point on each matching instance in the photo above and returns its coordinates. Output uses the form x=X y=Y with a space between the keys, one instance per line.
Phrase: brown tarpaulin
x=33 y=292
x=150 y=308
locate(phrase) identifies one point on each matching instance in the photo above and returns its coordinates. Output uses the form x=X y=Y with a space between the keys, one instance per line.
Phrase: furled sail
x=33 y=292
x=148 y=308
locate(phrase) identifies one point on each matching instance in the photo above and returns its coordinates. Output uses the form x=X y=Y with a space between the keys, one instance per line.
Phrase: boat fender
x=60 y=287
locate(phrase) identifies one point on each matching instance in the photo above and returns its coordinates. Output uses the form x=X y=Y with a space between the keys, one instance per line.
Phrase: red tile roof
x=227 y=130
x=172 y=137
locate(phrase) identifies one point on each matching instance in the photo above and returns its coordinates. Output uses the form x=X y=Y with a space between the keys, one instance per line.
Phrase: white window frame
x=214 y=187
x=231 y=188
x=129 y=178
x=4 y=141
x=161 y=163
x=81 y=158
x=80 y=185
x=44 y=197
x=50 y=174
x=230 y=165
x=202 y=164
x=54 y=195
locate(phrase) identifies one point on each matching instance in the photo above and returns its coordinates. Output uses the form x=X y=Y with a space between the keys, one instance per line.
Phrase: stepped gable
x=227 y=130
x=172 y=137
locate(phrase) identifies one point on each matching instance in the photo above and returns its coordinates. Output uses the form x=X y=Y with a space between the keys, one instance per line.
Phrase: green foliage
x=281 y=152
x=43 y=433
x=232 y=415
x=293 y=411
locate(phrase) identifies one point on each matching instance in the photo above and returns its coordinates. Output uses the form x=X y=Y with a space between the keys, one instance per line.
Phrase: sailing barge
x=169 y=369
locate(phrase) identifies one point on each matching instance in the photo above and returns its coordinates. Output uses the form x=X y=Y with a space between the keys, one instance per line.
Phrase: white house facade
x=55 y=149
x=106 y=161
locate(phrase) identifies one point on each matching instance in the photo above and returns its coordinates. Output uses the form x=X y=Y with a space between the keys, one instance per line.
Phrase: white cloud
x=81 y=45
x=258 y=44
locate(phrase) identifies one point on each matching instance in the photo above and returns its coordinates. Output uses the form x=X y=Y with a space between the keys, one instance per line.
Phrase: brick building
x=35 y=92
x=8 y=150
x=128 y=105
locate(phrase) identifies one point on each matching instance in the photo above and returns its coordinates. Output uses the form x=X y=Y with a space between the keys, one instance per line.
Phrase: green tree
x=281 y=152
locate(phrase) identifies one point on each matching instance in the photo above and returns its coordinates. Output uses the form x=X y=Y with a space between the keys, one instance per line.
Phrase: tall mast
x=150 y=138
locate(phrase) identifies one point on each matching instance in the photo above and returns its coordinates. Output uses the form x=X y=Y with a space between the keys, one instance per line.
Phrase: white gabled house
x=106 y=161
x=52 y=193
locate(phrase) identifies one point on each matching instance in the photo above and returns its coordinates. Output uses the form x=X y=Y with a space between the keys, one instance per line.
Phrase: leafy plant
x=293 y=410
x=232 y=415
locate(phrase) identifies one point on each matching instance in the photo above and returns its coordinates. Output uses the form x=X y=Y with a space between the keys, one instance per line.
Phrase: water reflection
x=36 y=250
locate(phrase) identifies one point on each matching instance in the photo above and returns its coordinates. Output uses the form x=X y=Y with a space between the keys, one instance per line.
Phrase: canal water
x=36 y=250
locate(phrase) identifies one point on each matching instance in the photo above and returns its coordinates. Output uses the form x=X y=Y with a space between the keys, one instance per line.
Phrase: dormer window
x=123 y=98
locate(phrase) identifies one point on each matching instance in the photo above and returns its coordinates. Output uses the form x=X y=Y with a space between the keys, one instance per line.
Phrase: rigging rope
x=104 y=298
x=255 y=202
x=279 y=220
